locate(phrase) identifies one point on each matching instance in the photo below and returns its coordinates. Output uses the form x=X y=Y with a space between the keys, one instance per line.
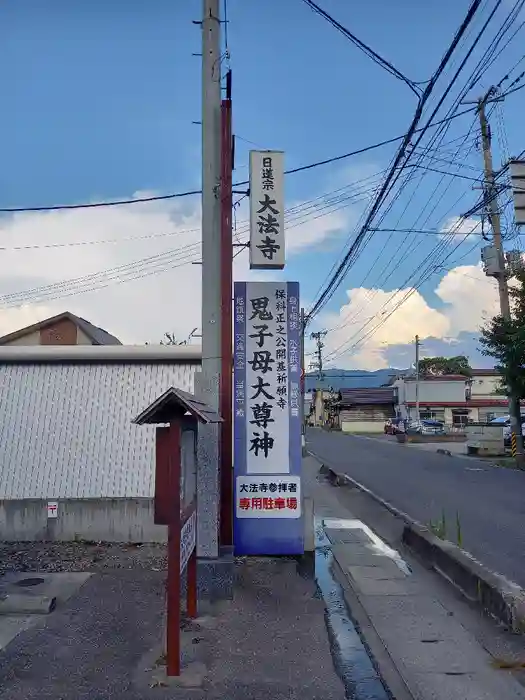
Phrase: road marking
x=379 y=545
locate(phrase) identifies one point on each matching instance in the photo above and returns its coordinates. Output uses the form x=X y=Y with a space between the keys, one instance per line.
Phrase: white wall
x=66 y=431
x=486 y=387
x=430 y=391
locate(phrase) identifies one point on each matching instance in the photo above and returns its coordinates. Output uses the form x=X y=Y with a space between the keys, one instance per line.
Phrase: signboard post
x=267 y=244
x=175 y=503
x=267 y=419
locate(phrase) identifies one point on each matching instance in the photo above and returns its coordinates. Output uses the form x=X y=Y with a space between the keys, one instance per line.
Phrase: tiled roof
x=98 y=336
x=360 y=397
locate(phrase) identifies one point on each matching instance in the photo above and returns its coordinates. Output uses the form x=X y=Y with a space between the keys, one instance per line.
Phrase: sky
x=100 y=104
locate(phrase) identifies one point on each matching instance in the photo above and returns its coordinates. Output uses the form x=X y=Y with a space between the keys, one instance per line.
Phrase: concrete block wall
x=106 y=520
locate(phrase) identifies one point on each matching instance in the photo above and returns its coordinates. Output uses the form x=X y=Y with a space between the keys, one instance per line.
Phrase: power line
x=379 y=60
x=176 y=195
x=394 y=173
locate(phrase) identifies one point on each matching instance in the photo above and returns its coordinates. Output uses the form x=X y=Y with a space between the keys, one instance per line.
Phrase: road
x=490 y=501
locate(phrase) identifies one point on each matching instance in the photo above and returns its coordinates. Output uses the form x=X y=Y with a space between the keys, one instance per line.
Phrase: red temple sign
x=176 y=500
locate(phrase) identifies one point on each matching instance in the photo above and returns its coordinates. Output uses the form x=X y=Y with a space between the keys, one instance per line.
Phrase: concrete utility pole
x=318 y=337
x=491 y=203
x=211 y=176
x=303 y=384
x=207 y=383
x=418 y=345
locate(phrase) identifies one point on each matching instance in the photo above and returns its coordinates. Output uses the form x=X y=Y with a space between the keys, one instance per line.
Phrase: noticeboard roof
x=176 y=403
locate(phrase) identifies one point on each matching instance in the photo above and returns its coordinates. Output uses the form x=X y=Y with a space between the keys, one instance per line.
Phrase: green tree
x=504 y=339
x=439 y=366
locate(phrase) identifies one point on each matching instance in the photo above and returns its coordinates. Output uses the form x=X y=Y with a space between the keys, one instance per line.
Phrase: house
x=66 y=437
x=366 y=410
x=63 y=329
x=453 y=399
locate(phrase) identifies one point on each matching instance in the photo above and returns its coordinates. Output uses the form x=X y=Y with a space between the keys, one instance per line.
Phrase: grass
x=439 y=528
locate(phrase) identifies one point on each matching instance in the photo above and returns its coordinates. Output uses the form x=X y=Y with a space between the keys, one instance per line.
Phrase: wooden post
x=173 y=614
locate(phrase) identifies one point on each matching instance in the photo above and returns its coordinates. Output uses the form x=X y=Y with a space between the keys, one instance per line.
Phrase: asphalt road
x=490 y=501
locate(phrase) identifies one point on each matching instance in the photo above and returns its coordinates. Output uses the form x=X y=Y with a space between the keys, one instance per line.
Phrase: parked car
x=505 y=422
x=393 y=426
x=427 y=427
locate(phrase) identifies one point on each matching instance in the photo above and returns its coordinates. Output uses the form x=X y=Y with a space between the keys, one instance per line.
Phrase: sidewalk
x=422 y=636
x=271 y=641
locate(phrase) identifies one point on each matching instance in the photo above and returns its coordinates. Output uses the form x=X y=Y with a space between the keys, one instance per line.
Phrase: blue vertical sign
x=267 y=419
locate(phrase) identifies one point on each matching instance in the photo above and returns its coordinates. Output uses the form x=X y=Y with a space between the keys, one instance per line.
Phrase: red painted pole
x=225 y=388
x=173 y=602
x=191 y=585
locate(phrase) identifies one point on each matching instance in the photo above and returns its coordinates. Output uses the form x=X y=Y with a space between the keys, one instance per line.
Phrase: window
x=427 y=415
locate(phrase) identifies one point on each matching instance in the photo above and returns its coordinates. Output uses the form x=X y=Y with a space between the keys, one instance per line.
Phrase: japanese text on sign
x=271 y=498
x=267 y=244
x=187 y=539
x=267 y=379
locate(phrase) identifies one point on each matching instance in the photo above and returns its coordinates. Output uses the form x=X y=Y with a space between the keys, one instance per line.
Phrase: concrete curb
x=501 y=598
x=25 y=604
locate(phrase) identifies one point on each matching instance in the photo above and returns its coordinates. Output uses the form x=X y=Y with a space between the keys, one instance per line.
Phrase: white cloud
x=469 y=298
x=461 y=227
x=136 y=311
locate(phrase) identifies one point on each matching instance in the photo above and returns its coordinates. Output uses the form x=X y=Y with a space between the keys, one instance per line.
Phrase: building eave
x=87 y=354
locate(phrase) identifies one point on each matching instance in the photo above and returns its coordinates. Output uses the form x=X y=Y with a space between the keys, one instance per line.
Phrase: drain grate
x=28 y=582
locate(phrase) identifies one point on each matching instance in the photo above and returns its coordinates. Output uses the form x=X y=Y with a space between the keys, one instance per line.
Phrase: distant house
x=366 y=410
x=453 y=399
x=63 y=329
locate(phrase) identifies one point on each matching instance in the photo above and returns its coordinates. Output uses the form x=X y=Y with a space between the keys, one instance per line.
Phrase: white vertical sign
x=267 y=375
x=267 y=244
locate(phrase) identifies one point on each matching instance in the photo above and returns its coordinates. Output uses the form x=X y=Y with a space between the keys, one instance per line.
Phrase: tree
x=439 y=366
x=504 y=340
x=170 y=339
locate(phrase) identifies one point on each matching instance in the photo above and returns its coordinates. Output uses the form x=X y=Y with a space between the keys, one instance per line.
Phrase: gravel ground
x=79 y=556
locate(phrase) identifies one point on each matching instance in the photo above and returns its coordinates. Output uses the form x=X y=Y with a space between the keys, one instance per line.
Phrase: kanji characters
x=268 y=247
x=261 y=443
x=261 y=334
x=260 y=389
x=262 y=361
x=268 y=204
x=262 y=414
x=260 y=309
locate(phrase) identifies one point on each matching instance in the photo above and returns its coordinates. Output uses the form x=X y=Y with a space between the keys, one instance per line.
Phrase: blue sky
x=99 y=102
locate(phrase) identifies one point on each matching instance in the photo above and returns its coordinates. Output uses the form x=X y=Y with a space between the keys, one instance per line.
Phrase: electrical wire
x=379 y=60
x=463 y=63
x=393 y=173
x=177 y=195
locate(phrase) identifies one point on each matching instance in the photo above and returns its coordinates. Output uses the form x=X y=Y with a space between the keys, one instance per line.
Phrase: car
x=505 y=422
x=427 y=426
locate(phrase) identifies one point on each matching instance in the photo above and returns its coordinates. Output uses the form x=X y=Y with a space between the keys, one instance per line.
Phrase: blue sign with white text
x=267 y=419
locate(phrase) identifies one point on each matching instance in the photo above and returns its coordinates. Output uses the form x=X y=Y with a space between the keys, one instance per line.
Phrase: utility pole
x=211 y=264
x=303 y=385
x=418 y=345
x=226 y=379
x=491 y=203
x=318 y=337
